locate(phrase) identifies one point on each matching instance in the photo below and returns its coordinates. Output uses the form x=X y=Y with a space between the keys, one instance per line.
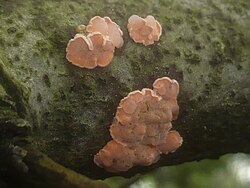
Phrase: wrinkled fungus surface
x=108 y=28
x=90 y=51
x=145 y=31
x=96 y=48
x=141 y=128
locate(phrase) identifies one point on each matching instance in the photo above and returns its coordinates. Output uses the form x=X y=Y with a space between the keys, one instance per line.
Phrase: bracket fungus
x=145 y=31
x=98 y=46
x=141 y=128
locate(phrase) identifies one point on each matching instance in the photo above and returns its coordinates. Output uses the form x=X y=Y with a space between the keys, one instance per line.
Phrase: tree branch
x=204 y=46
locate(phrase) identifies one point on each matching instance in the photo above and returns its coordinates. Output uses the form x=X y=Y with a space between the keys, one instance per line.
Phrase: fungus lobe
x=145 y=31
x=97 y=47
x=108 y=28
x=90 y=51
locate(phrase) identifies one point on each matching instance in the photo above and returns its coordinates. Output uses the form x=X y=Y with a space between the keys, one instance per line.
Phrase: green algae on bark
x=204 y=46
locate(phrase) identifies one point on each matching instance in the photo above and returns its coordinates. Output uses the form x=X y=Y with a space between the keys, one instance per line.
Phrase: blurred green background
x=230 y=171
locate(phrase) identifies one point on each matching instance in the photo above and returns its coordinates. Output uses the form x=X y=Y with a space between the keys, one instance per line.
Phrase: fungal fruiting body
x=90 y=51
x=141 y=128
x=145 y=31
x=108 y=28
x=96 y=48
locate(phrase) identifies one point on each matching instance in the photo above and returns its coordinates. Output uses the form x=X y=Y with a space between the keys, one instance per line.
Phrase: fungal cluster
x=145 y=31
x=141 y=128
x=98 y=46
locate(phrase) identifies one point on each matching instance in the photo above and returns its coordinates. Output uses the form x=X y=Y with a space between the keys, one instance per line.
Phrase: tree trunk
x=51 y=108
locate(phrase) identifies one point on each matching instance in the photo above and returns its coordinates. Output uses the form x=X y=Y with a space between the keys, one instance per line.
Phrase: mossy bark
x=65 y=111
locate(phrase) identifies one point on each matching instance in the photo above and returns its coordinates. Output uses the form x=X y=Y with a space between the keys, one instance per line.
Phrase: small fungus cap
x=166 y=88
x=115 y=157
x=90 y=51
x=108 y=28
x=145 y=31
x=172 y=142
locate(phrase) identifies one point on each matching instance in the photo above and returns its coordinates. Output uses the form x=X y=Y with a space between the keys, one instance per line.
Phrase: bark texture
x=64 y=111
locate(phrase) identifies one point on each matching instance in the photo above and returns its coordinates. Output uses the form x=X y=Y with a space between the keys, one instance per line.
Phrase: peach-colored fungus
x=141 y=128
x=97 y=47
x=115 y=156
x=145 y=31
x=173 y=142
x=90 y=51
x=108 y=28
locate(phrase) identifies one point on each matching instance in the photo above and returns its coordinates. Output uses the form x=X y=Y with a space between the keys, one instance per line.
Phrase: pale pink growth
x=145 y=155
x=115 y=157
x=135 y=22
x=155 y=133
x=129 y=106
x=157 y=29
x=172 y=142
x=163 y=129
x=127 y=134
x=138 y=106
x=150 y=96
x=97 y=24
x=76 y=51
x=108 y=28
x=115 y=33
x=152 y=130
x=166 y=88
x=122 y=116
x=172 y=103
x=145 y=31
x=141 y=127
x=90 y=51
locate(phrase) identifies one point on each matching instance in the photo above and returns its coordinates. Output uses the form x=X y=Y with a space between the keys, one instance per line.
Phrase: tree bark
x=53 y=110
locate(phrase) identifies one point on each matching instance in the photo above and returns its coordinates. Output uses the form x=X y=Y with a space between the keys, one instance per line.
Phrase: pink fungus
x=97 y=47
x=141 y=128
x=145 y=31
x=108 y=28
x=145 y=155
x=115 y=157
x=172 y=142
x=90 y=51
